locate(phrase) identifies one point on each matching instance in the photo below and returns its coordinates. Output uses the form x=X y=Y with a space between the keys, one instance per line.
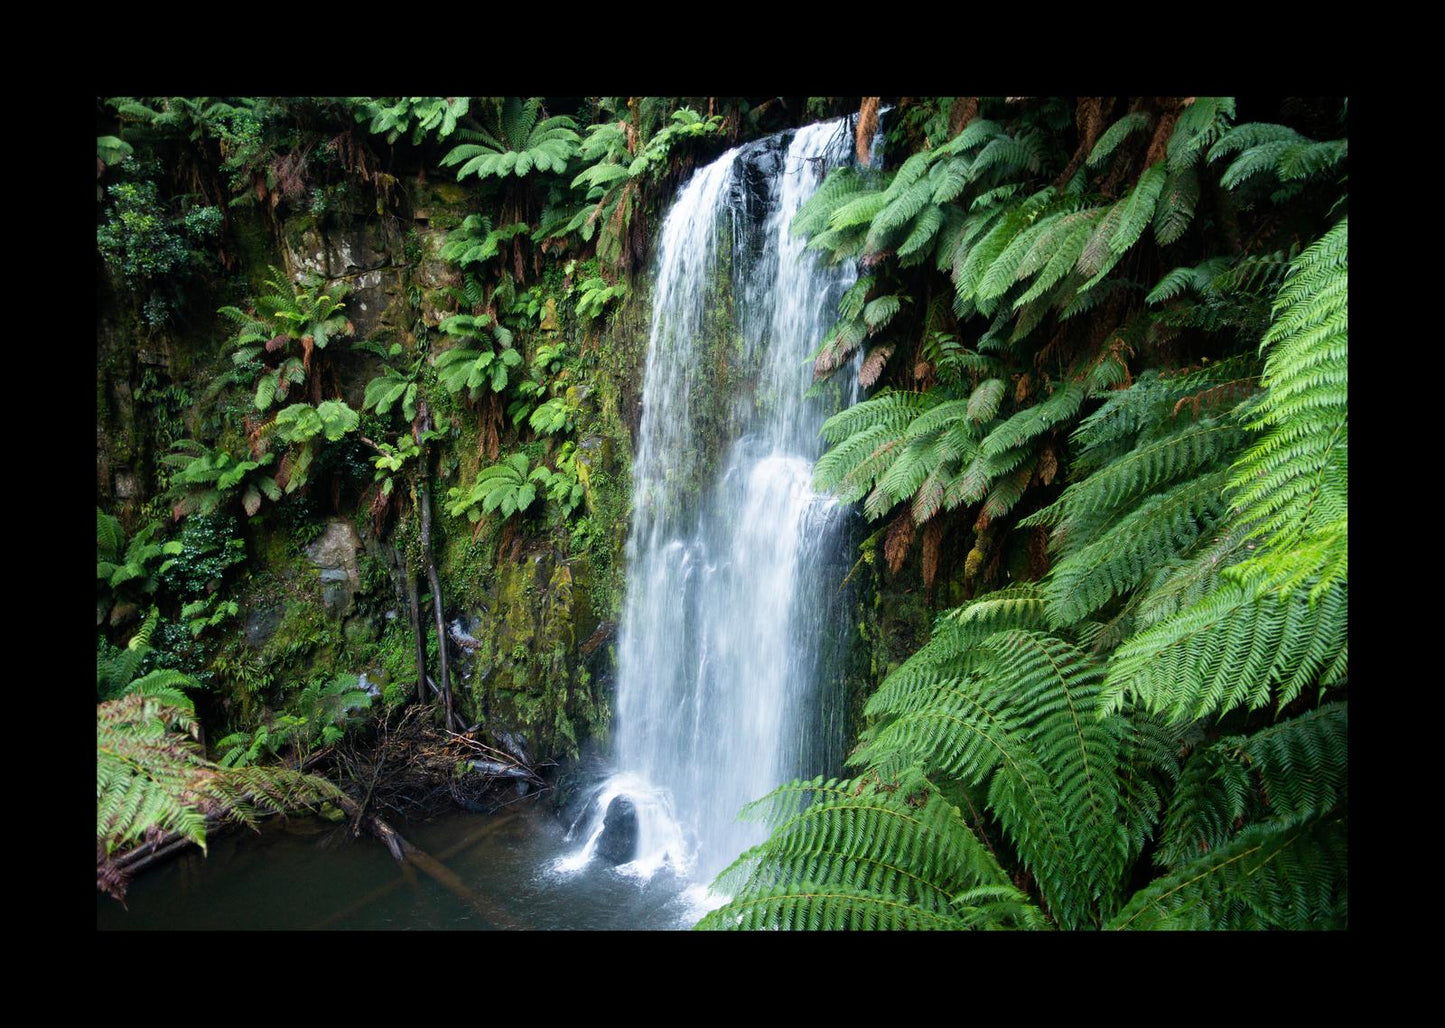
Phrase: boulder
x=618 y=843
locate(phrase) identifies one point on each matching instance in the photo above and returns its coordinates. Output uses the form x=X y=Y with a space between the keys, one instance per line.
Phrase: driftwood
x=409 y=876
x=405 y=853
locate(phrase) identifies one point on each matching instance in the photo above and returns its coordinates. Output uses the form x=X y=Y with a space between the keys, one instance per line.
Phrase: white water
x=732 y=557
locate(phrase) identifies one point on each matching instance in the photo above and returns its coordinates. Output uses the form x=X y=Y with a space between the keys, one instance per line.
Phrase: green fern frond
x=1058 y=249
x=975 y=259
x=867 y=854
x=1198 y=127
x=1099 y=566
x=1182 y=582
x=898 y=211
x=1175 y=210
x=1268 y=877
x=1234 y=648
x=1032 y=422
x=1139 y=207
x=1106 y=489
x=1023 y=720
x=1288 y=773
x=1134 y=121
x=1295 y=478
x=814 y=215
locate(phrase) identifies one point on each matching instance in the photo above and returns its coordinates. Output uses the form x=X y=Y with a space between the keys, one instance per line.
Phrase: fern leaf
x=1288 y=773
x=1295 y=478
x=1138 y=207
x=1175 y=210
x=1234 y=648
x=1269 y=877
x=1199 y=126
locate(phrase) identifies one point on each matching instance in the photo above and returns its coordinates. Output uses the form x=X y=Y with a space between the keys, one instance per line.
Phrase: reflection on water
x=308 y=875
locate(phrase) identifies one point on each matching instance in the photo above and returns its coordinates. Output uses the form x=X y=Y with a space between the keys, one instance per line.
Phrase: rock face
x=618 y=843
x=261 y=625
x=334 y=555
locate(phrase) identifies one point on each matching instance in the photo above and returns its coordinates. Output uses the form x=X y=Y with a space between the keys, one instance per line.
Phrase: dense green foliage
x=1104 y=344
x=1148 y=726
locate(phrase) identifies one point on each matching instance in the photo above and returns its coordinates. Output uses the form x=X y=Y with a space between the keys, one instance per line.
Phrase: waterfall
x=732 y=559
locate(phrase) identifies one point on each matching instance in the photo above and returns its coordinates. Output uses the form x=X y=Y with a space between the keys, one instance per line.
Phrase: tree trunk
x=423 y=424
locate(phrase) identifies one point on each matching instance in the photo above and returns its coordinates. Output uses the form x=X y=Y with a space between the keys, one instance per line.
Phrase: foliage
x=594 y=295
x=483 y=368
x=323 y=711
x=209 y=547
x=283 y=314
x=206 y=479
x=419 y=115
x=619 y=160
x=145 y=242
x=517 y=143
x=506 y=486
x=1103 y=717
x=151 y=778
x=474 y=241
x=124 y=568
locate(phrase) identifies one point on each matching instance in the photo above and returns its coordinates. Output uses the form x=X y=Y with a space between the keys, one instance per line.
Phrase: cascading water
x=731 y=556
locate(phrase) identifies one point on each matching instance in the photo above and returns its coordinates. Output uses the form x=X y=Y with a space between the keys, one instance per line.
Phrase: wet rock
x=336 y=599
x=261 y=625
x=618 y=842
x=334 y=556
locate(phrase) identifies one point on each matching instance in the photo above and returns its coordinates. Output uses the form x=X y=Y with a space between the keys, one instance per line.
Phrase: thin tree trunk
x=413 y=610
x=424 y=424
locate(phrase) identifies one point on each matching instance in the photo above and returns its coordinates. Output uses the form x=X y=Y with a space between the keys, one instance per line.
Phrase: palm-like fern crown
x=1197 y=557
x=520 y=144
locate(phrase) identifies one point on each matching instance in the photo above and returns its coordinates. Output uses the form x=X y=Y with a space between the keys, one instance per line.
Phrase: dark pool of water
x=305 y=874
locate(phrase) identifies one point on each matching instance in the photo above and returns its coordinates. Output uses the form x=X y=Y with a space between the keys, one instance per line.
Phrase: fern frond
x=1099 y=566
x=1104 y=491
x=1138 y=207
x=1031 y=422
x=1134 y=121
x=1288 y=773
x=1293 y=877
x=1234 y=648
x=1295 y=478
x=1198 y=127
x=867 y=854
x=1023 y=720
x=1175 y=210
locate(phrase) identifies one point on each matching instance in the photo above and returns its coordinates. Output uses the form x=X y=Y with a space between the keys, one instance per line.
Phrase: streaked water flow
x=731 y=553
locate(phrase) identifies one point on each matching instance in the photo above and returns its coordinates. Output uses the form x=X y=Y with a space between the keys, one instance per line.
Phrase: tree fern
x=521 y=145
x=1234 y=648
x=1268 y=877
x=1287 y=773
x=867 y=854
x=1293 y=481
x=1193 y=580
x=151 y=779
x=1016 y=714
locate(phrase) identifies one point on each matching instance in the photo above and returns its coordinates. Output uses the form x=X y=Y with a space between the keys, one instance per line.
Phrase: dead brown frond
x=1048 y=465
x=898 y=540
x=965 y=109
x=1226 y=394
x=1160 y=141
x=932 y=542
x=1038 y=553
x=873 y=364
x=867 y=125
